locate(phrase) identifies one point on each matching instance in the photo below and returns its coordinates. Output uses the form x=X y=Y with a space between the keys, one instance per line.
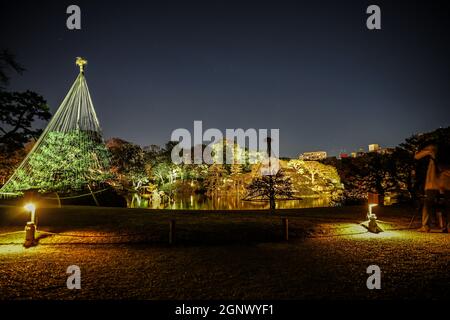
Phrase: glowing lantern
x=31 y=208
x=30 y=228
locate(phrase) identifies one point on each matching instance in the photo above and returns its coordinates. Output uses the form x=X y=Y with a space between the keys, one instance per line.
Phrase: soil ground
x=124 y=254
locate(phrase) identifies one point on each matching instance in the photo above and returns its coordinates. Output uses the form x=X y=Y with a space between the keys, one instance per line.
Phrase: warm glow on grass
x=12 y=249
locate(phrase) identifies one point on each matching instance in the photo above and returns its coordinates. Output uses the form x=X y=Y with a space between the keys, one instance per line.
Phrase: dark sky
x=309 y=68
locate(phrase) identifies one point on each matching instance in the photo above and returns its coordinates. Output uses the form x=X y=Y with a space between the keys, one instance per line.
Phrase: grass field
x=124 y=254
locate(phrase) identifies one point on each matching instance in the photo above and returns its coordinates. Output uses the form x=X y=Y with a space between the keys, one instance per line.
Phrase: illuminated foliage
x=65 y=162
x=127 y=163
x=316 y=172
x=214 y=179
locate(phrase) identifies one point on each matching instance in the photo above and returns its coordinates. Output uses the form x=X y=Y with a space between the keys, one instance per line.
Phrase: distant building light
x=374 y=147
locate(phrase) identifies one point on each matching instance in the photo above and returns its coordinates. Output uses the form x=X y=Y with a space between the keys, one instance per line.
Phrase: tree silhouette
x=8 y=62
x=18 y=110
x=270 y=188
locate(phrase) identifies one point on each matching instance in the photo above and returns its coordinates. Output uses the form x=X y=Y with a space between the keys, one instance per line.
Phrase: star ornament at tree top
x=81 y=63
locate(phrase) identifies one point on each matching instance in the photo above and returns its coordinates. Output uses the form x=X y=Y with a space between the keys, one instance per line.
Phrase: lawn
x=124 y=253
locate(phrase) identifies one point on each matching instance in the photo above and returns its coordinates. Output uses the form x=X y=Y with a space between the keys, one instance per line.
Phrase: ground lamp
x=372 y=218
x=30 y=228
x=372 y=225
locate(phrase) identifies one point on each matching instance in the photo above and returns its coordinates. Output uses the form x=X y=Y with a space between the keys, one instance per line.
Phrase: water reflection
x=201 y=202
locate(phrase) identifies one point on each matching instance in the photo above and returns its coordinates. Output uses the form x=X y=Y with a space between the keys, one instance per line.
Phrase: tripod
x=420 y=200
x=440 y=217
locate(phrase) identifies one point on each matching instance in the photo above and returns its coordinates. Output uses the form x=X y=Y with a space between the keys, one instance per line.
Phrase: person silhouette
x=443 y=167
x=432 y=187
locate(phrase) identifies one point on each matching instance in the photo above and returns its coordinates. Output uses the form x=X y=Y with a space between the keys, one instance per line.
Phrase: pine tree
x=270 y=188
x=66 y=162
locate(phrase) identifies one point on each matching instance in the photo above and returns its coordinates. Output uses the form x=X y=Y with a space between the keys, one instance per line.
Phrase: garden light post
x=370 y=214
x=31 y=208
x=30 y=228
x=372 y=224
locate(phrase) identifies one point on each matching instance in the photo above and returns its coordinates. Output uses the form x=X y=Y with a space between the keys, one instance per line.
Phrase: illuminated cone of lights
x=70 y=154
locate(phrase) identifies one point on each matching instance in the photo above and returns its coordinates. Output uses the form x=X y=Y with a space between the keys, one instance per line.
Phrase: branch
x=18 y=125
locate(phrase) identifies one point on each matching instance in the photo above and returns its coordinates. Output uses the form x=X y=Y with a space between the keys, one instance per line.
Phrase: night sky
x=310 y=68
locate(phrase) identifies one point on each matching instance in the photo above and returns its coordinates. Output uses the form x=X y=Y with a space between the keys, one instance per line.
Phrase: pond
x=201 y=202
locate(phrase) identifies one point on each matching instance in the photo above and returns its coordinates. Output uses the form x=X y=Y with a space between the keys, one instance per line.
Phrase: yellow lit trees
x=317 y=177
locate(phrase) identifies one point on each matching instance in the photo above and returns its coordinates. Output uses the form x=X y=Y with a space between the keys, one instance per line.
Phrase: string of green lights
x=70 y=154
